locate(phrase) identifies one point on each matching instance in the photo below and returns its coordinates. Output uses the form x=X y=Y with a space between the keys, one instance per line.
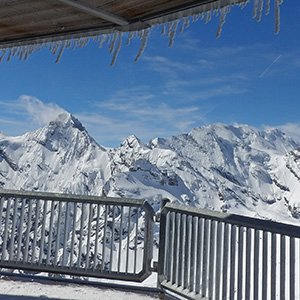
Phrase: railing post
x=161 y=217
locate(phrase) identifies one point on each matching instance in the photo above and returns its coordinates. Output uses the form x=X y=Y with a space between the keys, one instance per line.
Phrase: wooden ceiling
x=25 y=22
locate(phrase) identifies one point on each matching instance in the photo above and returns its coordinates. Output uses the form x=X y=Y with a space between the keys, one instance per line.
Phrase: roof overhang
x=26 y=25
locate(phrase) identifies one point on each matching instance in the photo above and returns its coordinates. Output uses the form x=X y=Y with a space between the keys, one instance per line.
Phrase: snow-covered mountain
x=230 y=168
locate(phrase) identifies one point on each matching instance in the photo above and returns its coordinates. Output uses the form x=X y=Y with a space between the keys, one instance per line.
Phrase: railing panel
x=82 y=236
x=222 y=256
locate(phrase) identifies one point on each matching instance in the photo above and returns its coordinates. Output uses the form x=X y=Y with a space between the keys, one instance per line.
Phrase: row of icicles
x=114 y=40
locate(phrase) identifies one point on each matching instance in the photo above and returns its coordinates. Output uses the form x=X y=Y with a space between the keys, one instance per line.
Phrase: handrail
x=76 y=235
x=211 y=255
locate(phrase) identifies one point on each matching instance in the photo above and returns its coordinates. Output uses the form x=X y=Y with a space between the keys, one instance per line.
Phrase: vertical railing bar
x=218 y=260
x=2 y=199
x=248 y=263
x=97 y=237
x=225 y=261
x=20 y=228
x=193 y=254
x=89 y=236
x=50 y=232
x=25 y=257
x=174 y=252
x=240 y=276
x=199 y=256
x=183 y=249
x=180 y=250
x=73 y=233
x=112 y=238
x=58 y=234
x=120 y=239
x=187 y=252
x=176 y=261
x=43 y=232
x=37 y=208
x=273 y=266
x=128 y=240
x=12 y=242
x=256 y=263
x=171 y=248
x=7 y=217
x=136 y=238
x=282 y=266
x=65 y=248
x=81 y=235
x=232 y=290
x=205 y=258
x=292 y=268
x=211 y=275
x=265 y=266
x=107 y=207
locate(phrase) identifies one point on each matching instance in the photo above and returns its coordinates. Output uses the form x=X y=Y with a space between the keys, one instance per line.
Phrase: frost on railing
x=113 y=37
x=210 y=255
x=90 y=237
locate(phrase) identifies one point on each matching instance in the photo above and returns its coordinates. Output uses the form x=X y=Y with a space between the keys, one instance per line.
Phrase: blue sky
x=248 y=76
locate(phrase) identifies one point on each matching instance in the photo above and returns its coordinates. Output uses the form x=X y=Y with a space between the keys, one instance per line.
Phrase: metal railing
x=209 y=255
x=77 y=235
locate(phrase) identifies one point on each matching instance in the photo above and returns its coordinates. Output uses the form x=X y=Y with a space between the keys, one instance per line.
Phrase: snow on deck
x=31 y=290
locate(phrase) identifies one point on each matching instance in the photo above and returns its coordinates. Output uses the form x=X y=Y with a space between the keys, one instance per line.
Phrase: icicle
x=163 y=30
x=173 y=33
x=267 y=7
x=111 y=47
x=63 y=46
x=2 y=55
x=146 y=33
x=260 y=10
x=76 y=41
x=14 y=50
x=39 y=47
x=9 y=54
x=254 y=14
x=169 y=29
x=182 y=25
x=117 y=49
x=102 y=40
x=55 y=48
x=108 y=40
x=21 y=52
x=130 y=36
x=222 y=21
x=277 y=15
x=208 y=16
x=68 y=44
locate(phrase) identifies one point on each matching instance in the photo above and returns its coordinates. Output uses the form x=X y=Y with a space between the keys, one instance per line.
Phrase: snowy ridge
x=228 y=168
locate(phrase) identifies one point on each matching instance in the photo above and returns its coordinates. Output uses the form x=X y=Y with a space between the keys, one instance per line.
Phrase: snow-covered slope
x=60 y=157
x=231 y=168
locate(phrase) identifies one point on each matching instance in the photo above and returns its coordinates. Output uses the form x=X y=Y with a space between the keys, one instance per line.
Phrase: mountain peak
x=66 y=119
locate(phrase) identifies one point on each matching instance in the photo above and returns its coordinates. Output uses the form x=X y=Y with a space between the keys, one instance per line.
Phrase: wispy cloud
x=42 y=113
x=116 y=118
x=26 y=113
x=291 y=129
x=167 y=66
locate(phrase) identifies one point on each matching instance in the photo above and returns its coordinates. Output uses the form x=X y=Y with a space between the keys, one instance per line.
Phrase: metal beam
x=99 y=13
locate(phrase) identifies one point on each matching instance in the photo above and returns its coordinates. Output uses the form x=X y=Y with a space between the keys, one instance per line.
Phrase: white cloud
x=25 y=114
x=136 y=111
x=42 y=113
x=291 y=129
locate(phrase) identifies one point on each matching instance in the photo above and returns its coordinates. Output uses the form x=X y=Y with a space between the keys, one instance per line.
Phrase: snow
x=236 y=169
x=30 y=290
